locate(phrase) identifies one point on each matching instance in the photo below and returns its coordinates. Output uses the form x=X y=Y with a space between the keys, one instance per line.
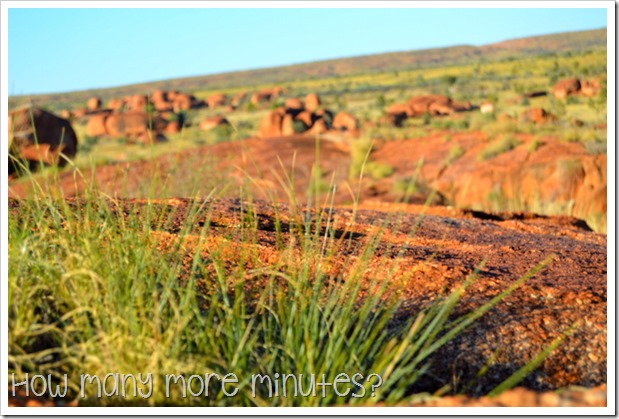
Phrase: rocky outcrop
x=213 y=122
x=93 y=103
x=38 y=136
x=433 y=105
x=552 y=177
x=573 y=86
x=132 y=125
x=436 y=105
x=216 y=100
x=266 y=95
x=343 y=121
x=538 y=116
x=563 y=298
x=95 y=127
x=312 y=102
x=271 y=124
x=398 y=113
x=295 y=118
x=136 y=103
x=159 y=100
x=184 y=102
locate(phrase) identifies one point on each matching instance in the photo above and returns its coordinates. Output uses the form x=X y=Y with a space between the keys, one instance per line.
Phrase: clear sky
x=59 y=50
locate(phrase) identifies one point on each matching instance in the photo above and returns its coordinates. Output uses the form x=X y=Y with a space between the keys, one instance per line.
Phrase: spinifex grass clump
x=500 y=146
x=95 y=289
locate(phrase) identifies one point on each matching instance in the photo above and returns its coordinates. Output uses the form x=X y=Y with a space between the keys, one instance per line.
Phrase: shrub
x=222 y=133
x=298 y=126
x=380 y=101
x=449 y=80
x=427 y=118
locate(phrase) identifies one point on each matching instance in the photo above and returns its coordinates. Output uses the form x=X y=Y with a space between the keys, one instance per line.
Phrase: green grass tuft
x=498 y=147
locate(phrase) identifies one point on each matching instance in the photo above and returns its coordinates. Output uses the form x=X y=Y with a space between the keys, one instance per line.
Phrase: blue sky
x=59 y=50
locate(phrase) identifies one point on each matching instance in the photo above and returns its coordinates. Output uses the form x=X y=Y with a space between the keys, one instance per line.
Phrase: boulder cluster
x=141 y=118
x=146 y=118
x=573 y=86
x=163 y=101
x=133 y=125
x=433 y=105
x=232 y=102
x=159 y=100
x=305 y=116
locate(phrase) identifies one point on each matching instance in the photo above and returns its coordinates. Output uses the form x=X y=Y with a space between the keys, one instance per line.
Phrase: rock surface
x=555 y=175
x=437 y=256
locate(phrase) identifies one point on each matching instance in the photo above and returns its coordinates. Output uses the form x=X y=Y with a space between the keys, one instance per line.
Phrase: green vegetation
x=359 y=157
x=497 y=147
x=455 y=153
x=534 y=145
x=361 y=163
x=378 y=170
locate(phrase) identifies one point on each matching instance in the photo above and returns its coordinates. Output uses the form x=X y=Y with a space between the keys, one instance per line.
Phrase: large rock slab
x=424 y=257
x=554 y=176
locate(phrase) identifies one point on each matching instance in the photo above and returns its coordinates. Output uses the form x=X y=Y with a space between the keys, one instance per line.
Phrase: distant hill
x=393 y=61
